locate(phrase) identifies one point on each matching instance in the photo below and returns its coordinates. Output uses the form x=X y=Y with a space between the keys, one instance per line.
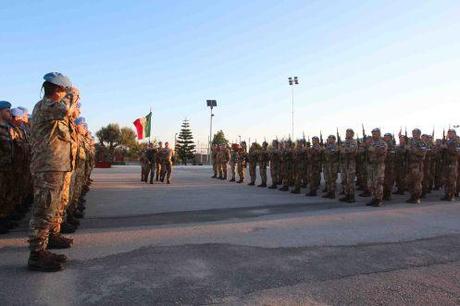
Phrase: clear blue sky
x=383 y=63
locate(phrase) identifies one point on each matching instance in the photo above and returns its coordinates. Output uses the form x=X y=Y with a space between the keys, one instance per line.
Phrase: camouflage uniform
x=400 y=162
x=233 y=162
x=263 y=159
x=166 y=167
x=224 y=162
x=452 y=155
x=389 y=178
x=50 y=165
x=214 y=151
x=6 y=170
x=275 y=161
x=348 y=152
x=315 y=154
x=416 y=155
x=331 y=168
x=241 y=166
x=252 y=159
x=377 y=151
x=427 y=183
x=299 y=166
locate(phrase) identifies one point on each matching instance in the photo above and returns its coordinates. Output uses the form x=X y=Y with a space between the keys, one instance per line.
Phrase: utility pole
x=293 y=81
x=211 y=104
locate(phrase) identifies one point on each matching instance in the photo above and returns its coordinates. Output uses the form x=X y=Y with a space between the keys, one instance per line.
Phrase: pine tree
x=185 y=146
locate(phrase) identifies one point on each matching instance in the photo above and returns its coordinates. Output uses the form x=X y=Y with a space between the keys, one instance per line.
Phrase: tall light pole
x=211 y=104
x=293 y=81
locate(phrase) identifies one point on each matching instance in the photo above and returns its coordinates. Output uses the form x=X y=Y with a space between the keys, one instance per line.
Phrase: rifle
x=321 y=138
x=364 y=132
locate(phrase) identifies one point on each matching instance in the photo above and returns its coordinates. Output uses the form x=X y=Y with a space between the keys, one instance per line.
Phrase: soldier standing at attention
x=377 y=152
x=225 y=160
x=427 y=183
x=287 y=156
x=299 y=165
x=389 y=178
x=451 y=152
x=158 y=161
x=315 y=154
x=220 y=161
x=401 y=165
x=51 y=162
x=143 y=161
x=6 y=165
x=150 y=156
x=252 y=159
x=234 y=160
x=331 y=158
x=167 y=158
x=242 y=158
x=416 y=154
x=275 y=164
x=263 y=159
x=348 y=151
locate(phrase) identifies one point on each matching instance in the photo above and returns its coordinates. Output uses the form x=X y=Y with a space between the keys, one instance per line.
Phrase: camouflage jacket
x=377 y=151
x=51 y=136
x=263 y=157
x=6 y=147
x=331 y=153
x=417 y=151
x=349 y=150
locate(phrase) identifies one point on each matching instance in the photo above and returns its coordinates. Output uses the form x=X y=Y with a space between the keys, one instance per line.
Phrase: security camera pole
x=292 y=82
x=211 y=104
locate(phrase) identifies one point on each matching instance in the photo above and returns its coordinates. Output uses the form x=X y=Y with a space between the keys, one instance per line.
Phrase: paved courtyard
x=205 y=241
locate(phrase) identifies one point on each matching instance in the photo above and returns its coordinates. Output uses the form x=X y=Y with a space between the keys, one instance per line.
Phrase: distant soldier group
x=156 y=162
x=375 y=165
x=45 y=163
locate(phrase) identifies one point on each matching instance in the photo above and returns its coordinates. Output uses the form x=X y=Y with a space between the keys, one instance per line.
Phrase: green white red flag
x=143 y=126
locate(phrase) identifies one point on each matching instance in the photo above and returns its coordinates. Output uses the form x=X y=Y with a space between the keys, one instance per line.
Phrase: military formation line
x=375 y=165
x=46 y=161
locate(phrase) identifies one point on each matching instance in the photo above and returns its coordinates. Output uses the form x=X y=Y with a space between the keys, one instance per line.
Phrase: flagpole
x=150 y=134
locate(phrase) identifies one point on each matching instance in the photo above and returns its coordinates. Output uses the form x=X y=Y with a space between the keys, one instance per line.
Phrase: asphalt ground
x=203 y=241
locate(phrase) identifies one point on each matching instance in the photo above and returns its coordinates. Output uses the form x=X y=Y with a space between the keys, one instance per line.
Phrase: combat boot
x=240 y=181
x=78 y=214
x=251 y=184
x=365 y=194
x=263 y=185
x=168 y=182
x=74 y=221
x=386 y=196
x=284 y=188
x=344 y=199
x=296 y=191
x=214 y=176
x=312 y=193
x=273 y=186
x=378 y=203
x=67 y=228
x=232 y=180
x=44 y=261
x=399 y=191
x=57 y=241
x=329 y=195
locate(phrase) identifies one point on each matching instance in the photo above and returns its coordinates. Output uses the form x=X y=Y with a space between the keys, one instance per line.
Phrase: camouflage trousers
x=299 y=175
x=389 y=180
x=6 y=193
x=451 y=179
x=288 y=177
x=214 y=167
x=252 y=171
x=166 y=170
x=348 y=177
x=149 y=170
x=48 y=195
x=375 y=179
x=314 y=179
x=157 y=170
x=263 y=173
x=427 y=183
x=241 y=170
x=222 y=167
x=400 y=177
x=275 y=172
x=330 y=175
x=232 y=169
x=415 y=179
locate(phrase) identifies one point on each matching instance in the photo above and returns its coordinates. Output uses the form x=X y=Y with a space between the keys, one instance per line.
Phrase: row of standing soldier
x=373 y=164
x=157 y=162
x=47 y=165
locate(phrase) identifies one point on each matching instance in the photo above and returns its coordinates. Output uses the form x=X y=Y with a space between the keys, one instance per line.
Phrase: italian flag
x=143 y=125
